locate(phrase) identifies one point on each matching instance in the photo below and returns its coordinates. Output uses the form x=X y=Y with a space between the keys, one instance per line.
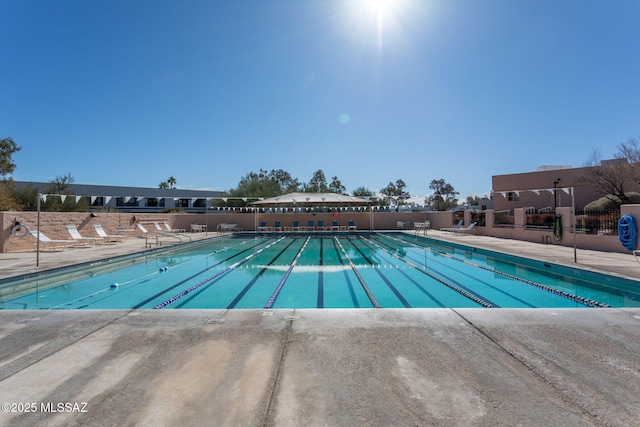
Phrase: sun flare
x=379 y=13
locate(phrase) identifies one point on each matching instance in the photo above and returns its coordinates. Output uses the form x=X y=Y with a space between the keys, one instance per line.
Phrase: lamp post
x=555 y=194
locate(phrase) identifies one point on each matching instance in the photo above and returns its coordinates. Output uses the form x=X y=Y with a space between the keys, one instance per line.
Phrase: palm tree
x=172 y=182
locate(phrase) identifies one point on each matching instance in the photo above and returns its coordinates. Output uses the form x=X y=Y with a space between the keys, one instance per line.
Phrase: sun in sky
x=379 y=16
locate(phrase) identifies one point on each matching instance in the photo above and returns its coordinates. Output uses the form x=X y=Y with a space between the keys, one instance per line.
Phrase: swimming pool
x=386 y=270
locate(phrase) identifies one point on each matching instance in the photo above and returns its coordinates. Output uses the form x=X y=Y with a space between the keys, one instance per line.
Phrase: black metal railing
x=603 y=222
x=503 y=219
x=538 y=219
x=479 y=218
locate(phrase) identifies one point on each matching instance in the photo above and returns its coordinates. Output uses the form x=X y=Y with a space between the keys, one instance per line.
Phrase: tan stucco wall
x=53 y=225
x=541 y=180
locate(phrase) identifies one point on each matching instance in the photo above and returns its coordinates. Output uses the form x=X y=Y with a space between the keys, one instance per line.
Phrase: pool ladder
x=155 y=240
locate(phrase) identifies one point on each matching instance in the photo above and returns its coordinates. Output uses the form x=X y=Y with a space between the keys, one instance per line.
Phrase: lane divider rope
x=372 y=298
x=215 y=276
x=577 y=298
x=276 y=292
x=461 y=291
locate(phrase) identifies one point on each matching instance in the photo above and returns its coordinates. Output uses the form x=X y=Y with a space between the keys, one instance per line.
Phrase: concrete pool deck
x=342 y=367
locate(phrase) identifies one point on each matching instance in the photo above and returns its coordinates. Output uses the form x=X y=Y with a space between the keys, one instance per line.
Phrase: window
x=97 y=201
x=153 y=202
x=200 y=203
x=513 y=196
x=127 y=201
x=182 y=203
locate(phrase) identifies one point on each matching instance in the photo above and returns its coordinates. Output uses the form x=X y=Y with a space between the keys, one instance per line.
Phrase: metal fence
x=598 y=222
x=503 y=219
x=479 y=218
x=539 y=219
x=457 y=216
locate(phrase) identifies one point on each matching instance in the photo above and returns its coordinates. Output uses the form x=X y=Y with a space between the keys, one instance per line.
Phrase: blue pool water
x=318 y=271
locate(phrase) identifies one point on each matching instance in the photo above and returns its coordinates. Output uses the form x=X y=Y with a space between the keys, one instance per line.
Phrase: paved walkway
x=373 y=367
x=378 y=367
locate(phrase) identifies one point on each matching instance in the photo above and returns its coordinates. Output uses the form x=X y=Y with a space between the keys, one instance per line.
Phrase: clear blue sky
x=130 y=92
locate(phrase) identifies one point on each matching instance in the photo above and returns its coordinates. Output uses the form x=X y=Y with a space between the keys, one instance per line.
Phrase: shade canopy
x=311 y=199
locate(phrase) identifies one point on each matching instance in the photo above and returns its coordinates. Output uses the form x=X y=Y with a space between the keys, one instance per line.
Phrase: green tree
x=395 y=194
x=172 y=182
x=168 y=184
x=336 y=186
x=473 y=200
x=7 y=187
x=285 y=182
x=8 y=201
x=317 y=184
x=362 y=192
x=58 y=191
x=7 y=148
x=261 y=184
x=25 y=198
x=444 y=195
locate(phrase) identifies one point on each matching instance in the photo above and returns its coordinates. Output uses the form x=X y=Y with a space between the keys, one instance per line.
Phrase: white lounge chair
x=174 y=230
x=466 y=230
x=107 y=238
x=49 y=243
x=453 y=229
x=76 y=236
x=141 y=228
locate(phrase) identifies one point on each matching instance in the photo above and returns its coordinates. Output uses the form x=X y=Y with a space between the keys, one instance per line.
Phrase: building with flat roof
x=134 y=199
x=546 y=188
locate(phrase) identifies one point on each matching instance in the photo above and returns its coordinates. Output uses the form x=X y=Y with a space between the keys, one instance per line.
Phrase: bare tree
x=613 y=178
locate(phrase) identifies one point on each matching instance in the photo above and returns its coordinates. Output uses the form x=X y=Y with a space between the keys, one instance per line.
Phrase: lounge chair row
x=76 y=238
x=311 y=226
x=459 y=229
